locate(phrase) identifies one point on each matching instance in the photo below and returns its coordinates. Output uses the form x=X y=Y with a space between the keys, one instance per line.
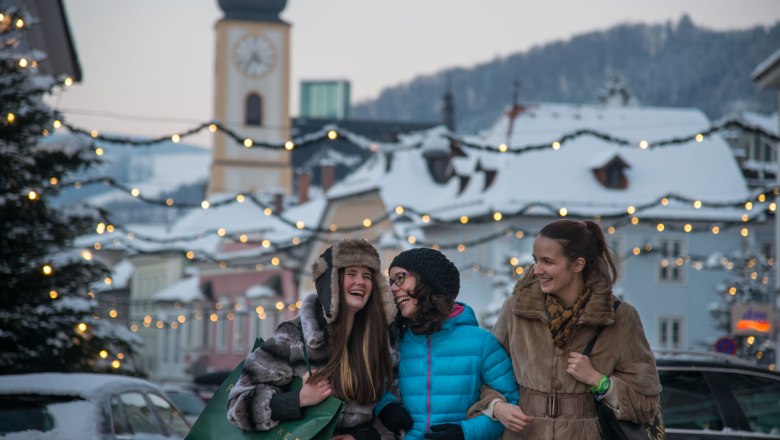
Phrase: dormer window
x=611 y=173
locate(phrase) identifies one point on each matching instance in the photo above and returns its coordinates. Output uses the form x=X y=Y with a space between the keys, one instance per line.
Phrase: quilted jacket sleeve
x=267 y=371
x=497 y=374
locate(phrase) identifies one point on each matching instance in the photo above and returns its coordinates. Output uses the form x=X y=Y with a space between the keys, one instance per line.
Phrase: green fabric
x=318 y=423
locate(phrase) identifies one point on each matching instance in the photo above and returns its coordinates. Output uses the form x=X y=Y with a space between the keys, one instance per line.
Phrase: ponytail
x=584 y=239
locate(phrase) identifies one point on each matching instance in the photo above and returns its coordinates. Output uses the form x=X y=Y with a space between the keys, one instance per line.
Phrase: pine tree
x=750 y=281
x=47 y=313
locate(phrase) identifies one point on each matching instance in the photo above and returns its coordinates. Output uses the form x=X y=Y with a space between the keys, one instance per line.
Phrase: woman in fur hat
x=345 y=327
x=554 y=311
x=445 y=356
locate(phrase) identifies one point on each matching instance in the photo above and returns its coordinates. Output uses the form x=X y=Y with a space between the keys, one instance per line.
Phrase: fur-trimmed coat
x=270 y=368
x=621 y=351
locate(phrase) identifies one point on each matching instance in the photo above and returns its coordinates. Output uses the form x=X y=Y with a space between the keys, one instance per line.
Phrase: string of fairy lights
x=213 y=312
x=333 y=132
x=755 y=204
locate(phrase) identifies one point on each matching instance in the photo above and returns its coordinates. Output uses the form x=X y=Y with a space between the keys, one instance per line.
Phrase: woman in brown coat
x=547 y=322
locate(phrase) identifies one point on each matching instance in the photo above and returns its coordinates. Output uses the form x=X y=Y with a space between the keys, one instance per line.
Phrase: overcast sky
x=148 y=64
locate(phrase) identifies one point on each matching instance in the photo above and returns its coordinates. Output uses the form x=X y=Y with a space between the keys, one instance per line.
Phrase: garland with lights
x=623 y=142
x=332 y=132
x=758 y=201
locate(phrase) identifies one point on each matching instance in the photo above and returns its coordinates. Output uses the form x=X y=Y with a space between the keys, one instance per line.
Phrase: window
x=758 y=398
x=671 y=264
x=206 y=324
x=768 y=250
x=670 y=332
x=171 y=418
x=118 y=417
x=614 y=176
x=221 y=335
x=254 y=110
x=238 y=333
x=139 y=415
x=687 y=401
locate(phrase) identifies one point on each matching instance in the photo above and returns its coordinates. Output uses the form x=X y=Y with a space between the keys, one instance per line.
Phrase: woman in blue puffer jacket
x=445 y=356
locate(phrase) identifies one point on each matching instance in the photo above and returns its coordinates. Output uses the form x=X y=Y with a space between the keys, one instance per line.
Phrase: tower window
x=253 y=112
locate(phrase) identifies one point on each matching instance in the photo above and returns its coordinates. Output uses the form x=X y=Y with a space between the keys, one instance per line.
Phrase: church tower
x=251 y=97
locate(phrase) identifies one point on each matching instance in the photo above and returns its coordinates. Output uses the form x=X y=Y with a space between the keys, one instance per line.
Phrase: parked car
x=190 y=404
x=711 y=397
x=79 y=406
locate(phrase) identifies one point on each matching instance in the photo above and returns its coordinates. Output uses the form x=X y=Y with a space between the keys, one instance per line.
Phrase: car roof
x=86 y=385
x=708 y=360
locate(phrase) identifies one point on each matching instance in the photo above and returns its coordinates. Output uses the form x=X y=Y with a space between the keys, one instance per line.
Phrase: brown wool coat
x=621 y=351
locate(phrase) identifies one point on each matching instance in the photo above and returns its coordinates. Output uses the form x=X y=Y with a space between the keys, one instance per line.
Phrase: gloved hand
x=367 y=433
x=396 y=418
x=445 y=431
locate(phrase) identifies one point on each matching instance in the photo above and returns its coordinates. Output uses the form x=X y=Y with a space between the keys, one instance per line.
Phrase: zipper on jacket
x=428 y=421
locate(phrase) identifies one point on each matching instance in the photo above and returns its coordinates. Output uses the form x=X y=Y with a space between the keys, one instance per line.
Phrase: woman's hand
x=581 y=369
x=511 y=416
x=313 y=393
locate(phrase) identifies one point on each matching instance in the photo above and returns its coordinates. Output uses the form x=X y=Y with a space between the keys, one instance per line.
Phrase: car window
x=687 y=402
x=23 y=415
x=118 y=420
x=759 y=398
x=139 y=415
x=173 y=420
x=188 y=403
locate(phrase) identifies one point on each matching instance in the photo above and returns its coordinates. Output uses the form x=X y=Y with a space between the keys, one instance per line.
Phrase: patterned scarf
x=561 y=318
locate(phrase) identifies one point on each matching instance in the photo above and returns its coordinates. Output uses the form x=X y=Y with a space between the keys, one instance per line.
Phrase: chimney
x=278 y=203
x=328 y=171
x=304 y=180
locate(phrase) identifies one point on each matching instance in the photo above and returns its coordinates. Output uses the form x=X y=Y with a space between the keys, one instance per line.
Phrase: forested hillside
x=673 y=64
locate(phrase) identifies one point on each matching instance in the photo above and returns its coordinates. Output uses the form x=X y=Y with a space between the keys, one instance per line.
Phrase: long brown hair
x=432 y=309
x=585 y=239
x=360 y=366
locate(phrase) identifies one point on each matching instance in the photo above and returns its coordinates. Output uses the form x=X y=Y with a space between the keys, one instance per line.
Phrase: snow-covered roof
x=766 y=64
x=259 y=291
x=563 y=178
x=185 y=290
x=767 y=122
x=120 y=277
x=197 y=229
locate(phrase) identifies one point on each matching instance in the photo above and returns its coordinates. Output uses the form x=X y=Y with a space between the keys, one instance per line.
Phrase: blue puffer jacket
x=440 y=376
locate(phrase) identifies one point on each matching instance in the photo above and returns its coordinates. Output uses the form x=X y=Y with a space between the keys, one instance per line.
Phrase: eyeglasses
x=398 y=279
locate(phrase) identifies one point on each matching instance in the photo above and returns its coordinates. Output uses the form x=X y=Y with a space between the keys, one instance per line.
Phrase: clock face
x=254 y=55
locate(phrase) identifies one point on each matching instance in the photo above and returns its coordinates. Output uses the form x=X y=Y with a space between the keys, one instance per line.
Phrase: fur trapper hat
x=347 y=253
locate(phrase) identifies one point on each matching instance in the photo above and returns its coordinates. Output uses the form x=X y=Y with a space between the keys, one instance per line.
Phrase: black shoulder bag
x=614 y=429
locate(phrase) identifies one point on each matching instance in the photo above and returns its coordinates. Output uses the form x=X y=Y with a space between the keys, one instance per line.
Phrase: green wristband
x=603 y=387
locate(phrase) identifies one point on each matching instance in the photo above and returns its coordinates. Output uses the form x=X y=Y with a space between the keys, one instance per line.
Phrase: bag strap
x=592 y=342
x=305 y=351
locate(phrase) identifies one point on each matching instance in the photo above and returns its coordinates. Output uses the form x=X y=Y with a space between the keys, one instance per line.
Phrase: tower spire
x=448 y=108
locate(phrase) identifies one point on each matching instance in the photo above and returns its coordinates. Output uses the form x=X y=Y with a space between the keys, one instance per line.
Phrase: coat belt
x=566 y=406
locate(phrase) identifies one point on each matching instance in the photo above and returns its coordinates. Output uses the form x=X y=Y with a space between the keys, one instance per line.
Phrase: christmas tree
x=48 y=319
x=750 y=281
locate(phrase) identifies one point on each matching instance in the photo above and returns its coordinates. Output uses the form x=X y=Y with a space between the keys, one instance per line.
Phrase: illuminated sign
x=751 y=319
